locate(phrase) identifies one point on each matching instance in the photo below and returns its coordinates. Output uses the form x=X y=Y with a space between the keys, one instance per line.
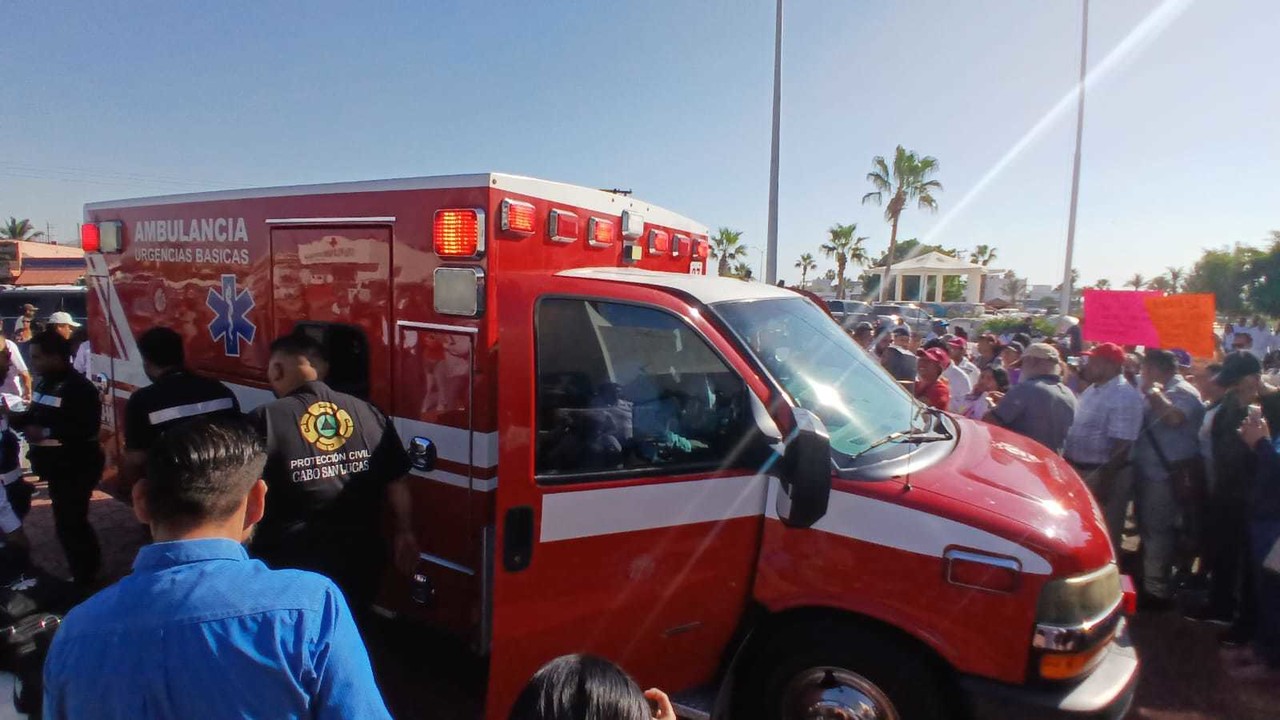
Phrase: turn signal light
x=659 y=242
x=517 y=217
x=458 y=233
x=600 y=233
x=1064 y=666
x=90 y=241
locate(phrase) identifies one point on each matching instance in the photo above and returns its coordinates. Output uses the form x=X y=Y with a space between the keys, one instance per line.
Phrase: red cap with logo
x=935 y=354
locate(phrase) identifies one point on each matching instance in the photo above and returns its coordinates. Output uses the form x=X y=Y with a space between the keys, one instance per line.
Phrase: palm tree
x=1175 y=278
x=16 y=229
x=984 y=255
x=805 y=263
x=1137 y=282
x=742 y=270
x=1160 y=284
x=907 y=180
x=1013 y=287
x=1103 y=284
x=844 y=248
x=726 y=246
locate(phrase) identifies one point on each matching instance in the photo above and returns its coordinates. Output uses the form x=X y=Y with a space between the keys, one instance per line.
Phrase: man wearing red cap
x=931 y=388
x=958 y=349
x=1108 y=420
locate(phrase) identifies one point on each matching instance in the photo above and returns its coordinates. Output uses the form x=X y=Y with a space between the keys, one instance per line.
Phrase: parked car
x=849 y=312
x=909 y=314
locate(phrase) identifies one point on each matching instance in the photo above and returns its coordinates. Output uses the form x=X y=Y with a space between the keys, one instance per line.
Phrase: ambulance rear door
x=334 y=283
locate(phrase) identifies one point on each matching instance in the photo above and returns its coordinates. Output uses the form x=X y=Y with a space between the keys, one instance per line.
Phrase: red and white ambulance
x=702 y=479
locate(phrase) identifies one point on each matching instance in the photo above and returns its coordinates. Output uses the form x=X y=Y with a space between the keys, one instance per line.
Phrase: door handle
x=517 y=543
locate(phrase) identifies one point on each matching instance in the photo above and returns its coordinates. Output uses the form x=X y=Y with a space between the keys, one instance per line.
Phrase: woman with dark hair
x=992 y=380
x=586 y=687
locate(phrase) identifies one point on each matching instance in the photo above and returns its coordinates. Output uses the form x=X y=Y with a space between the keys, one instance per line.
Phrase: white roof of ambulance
x=706 y=288
x=573 y=195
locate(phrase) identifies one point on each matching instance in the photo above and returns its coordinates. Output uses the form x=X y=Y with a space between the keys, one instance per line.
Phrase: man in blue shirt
x=199 y=630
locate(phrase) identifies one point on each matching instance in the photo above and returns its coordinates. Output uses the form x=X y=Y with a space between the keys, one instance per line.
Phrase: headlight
x=1075 y=620
x=1079 y=599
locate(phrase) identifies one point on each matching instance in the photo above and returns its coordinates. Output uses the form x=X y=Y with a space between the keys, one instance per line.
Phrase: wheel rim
x=831 y=693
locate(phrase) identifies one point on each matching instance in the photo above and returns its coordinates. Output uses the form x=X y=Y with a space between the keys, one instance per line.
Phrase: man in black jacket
x=61 y=425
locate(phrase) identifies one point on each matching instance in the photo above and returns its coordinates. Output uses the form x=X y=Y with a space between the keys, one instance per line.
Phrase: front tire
x=818 y=672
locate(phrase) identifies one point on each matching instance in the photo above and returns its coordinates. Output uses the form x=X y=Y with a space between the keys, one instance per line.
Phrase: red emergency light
x=90 y=240
x=562 y=226
x=600 y=233
x=458 y=233
x=680 y=246
x=659 y=242
x=518 y=217
x=700 y=248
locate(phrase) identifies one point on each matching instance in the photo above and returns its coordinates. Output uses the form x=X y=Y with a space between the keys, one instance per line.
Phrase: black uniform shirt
x=330 y=457
x=67 y=407
x=171 y=399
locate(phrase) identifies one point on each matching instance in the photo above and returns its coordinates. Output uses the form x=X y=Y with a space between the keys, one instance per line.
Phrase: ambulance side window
x=624 y=389
x=348 y=351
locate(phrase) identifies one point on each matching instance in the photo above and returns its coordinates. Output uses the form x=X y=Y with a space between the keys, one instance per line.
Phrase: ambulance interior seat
x=347 y=350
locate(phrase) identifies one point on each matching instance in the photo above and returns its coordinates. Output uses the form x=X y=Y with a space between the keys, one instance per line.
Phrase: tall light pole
x=1064 y=302
x=771 y=256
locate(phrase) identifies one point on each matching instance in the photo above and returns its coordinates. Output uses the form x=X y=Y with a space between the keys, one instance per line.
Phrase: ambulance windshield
x=823 y=370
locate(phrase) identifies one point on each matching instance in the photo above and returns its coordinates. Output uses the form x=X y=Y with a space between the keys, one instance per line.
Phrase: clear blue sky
x=671 y=98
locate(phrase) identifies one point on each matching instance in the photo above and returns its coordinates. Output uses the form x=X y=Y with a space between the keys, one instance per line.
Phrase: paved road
x=1182 y=677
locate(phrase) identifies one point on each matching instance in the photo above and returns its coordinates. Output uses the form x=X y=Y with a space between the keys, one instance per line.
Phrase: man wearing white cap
x=65 y=325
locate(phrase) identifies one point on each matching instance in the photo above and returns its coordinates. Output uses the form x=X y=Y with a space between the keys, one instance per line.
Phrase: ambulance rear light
x=701 y=248
x=517 y=217
x=563 y=227
x=632 y=224
x=680 y=246
x=659 y=242
x=601 y=233
x=458 y=233
x=89 y=238
x=104 y=237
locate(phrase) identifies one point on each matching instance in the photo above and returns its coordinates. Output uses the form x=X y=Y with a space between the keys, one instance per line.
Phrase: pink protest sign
x=1119 y=316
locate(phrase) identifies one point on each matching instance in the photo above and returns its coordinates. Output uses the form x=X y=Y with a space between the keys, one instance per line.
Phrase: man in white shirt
x=1108 y=420
x=65 y=325
x=959 y=350
x=17 y=381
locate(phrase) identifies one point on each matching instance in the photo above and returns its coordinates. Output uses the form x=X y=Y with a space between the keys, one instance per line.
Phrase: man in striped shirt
x=174 y=396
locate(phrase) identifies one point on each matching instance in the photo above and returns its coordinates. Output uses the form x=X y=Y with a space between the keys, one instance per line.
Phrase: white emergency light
x=632 y=224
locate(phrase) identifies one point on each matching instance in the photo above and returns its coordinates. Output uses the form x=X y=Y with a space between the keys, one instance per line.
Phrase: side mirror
x=422 y=454
x=805 y=472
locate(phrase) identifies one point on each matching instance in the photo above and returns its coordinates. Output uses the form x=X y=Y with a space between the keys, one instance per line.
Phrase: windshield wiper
x=914 y=437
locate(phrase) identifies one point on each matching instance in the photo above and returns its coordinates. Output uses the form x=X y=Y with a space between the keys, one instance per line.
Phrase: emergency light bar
x=458 y=233
x=600 y=233
x=562 y=227
x=104 y=237
x=517 y=217
x=659 y=242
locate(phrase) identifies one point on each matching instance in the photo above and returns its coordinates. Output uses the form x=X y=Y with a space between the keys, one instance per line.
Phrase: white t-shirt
x=80 y=363
x=17 y=366
x=960 y=386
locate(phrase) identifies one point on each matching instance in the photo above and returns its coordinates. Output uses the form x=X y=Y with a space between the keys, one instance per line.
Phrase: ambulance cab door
x=629 y=504
x=333 y=282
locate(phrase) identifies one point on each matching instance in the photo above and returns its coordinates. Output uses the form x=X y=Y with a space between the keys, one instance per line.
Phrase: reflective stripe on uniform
x=186 y=411
x=50 y=400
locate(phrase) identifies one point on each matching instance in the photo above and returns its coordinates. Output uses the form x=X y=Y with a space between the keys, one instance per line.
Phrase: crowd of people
x=1181 y=451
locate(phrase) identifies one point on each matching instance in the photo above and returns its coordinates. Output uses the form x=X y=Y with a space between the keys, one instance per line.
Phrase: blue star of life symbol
x=231 y=322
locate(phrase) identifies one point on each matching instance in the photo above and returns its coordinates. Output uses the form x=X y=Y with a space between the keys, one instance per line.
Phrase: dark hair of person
x=1001 y=376
x=1162 y=360
x=1213 y=368
x=580 y=687
x=297 y=344
x=1022 y=338
x=962 y=333
x=936 y=343
x=162 y=347
x=201 y=470
x=49 y=342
